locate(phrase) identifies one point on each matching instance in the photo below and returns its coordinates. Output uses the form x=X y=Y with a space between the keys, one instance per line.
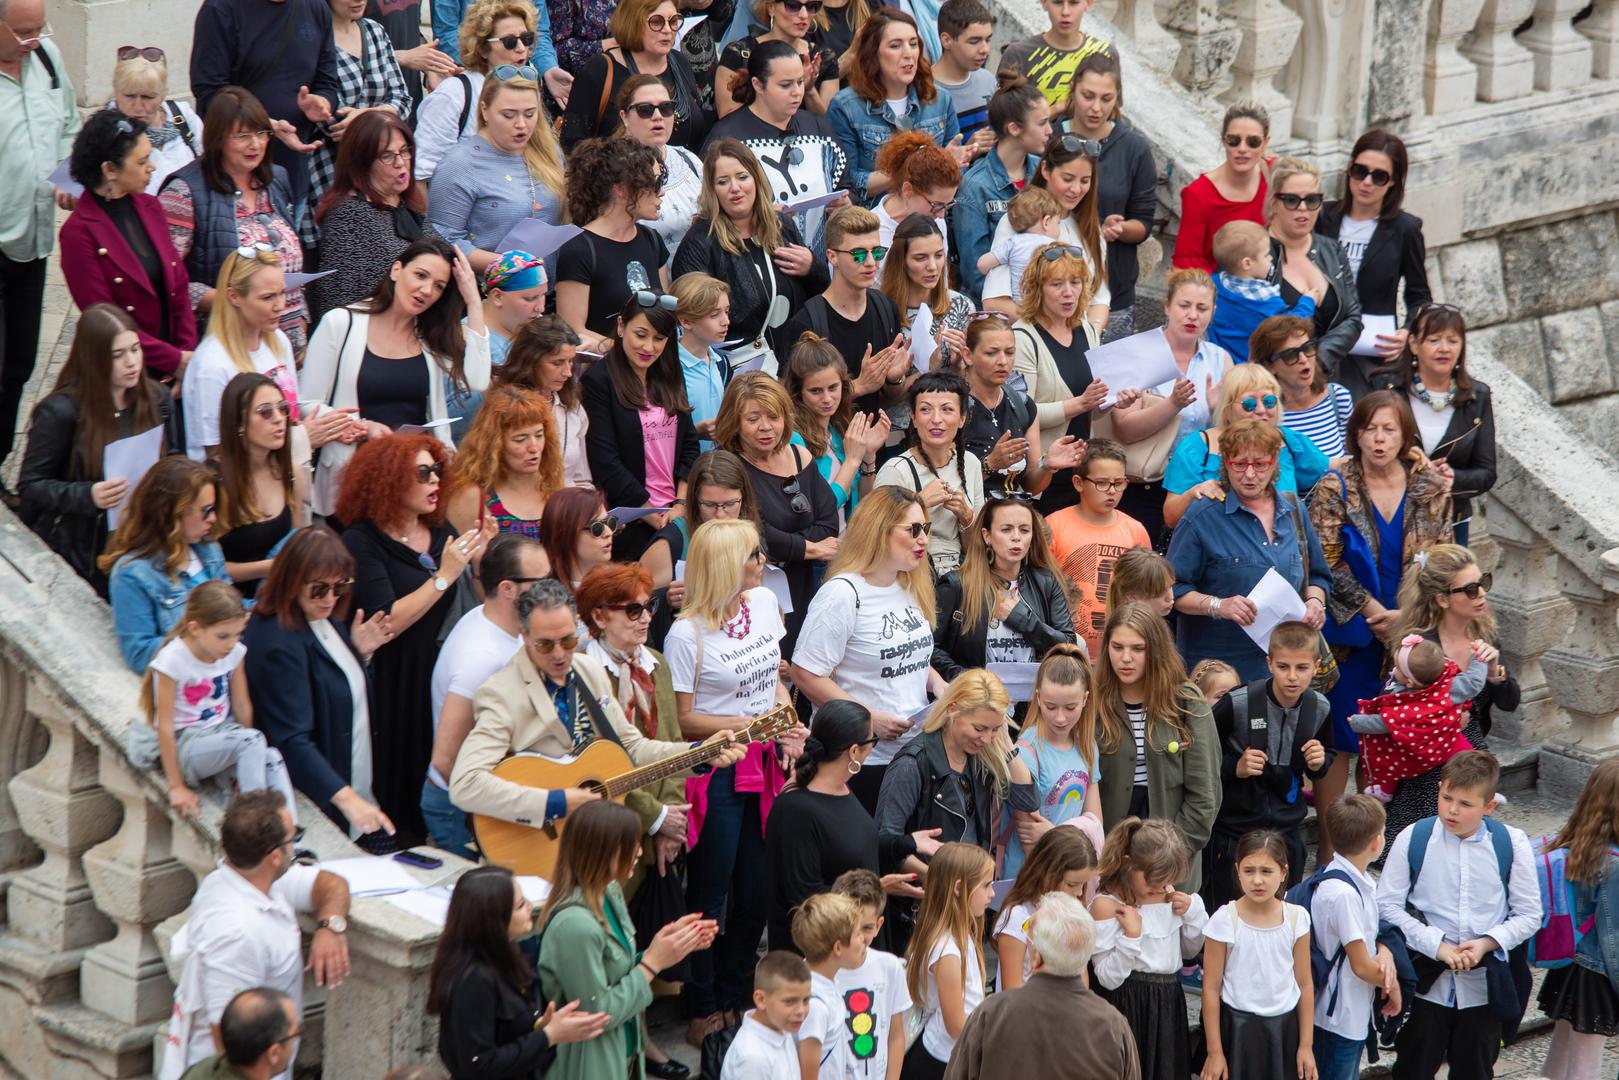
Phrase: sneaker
x=1192 y=977
x=1379 y=792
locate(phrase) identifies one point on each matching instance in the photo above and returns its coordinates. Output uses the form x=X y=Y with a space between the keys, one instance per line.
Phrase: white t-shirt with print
x=739 y=675
x=1014 y=923
x=211 y=369
x=870 y=996
x=201 y=691
x=874 y=643
x=1354 y=237
x=936 y=1038
x=1259 y=975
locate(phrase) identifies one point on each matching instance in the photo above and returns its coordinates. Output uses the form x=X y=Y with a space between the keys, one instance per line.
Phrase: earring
x=241 y=433
x=854 y=766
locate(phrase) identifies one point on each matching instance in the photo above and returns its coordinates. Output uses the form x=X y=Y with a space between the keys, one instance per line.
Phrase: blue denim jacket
x=862 y=128
x=1598 y=950
x=1219 y=548
x=980 y=204
x=449 y=14
x=146 y=602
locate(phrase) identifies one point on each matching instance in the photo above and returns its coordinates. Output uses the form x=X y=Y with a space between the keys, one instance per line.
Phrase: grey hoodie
x=1128 y=179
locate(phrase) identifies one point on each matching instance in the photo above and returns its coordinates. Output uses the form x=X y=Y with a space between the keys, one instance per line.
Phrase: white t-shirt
x=739 y=675
x=824 y=1023
x=1014 y=923
x=759 y=1053
x=1003 y=645
x=870 y=996
x=1354 y=237
x=936 y=1038
x=897 y=107
x=872 y=642
x=201 y=691
x=474 y=651
x=211 y=369
x=1259 y=976
x=1431 y=422
x=1339 y=914
x=327 y=637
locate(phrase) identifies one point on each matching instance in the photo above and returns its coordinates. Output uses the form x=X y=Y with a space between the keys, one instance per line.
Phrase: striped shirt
x=1324 y=422
x=971 y=97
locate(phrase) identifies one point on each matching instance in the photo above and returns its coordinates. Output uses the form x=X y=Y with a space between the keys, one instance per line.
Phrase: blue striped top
x=1325 y=422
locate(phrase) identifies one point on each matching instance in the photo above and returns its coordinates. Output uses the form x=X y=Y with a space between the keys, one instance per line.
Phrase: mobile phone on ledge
x=412 y=858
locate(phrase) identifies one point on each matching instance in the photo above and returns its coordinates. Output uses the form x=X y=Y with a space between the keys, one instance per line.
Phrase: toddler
x=1244 y=296
x=1424 y=705
x=1036 y=218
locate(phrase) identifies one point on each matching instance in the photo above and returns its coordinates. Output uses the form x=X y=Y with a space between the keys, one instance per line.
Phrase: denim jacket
x=862 y=127
x=146 y=602
x=1598 y=950
x=980 y=204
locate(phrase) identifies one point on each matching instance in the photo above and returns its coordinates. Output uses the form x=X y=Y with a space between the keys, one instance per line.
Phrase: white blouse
x=360 y=744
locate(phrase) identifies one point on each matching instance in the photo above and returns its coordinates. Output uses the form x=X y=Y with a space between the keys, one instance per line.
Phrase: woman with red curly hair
x=406 y=560
x=508 y=463
x=925 y=180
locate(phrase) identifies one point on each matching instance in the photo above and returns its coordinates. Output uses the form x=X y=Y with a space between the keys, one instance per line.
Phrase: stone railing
x=95 y=873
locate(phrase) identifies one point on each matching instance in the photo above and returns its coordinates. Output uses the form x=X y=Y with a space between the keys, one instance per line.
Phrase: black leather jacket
x=921 y=791
x=1335 y=340
x=1041 y=618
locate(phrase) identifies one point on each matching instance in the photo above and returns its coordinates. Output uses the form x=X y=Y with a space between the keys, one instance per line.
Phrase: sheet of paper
x=627 y=514
x=374 y=875
x=419 y=429
x=1277 y=602
x=64 y=182
x=1017 y=678
x=686 y=26
x=128 y=459
x=922 y=343
x=538 y=238
x=429 y=905
x=1370 y=327
x=1140 y=360
x=296 y=280
x=680 y=570
x=776 y=582
x=805 y=203
x=535 y=888
x=1000 y=890
x=920 y=716
x=756 y=362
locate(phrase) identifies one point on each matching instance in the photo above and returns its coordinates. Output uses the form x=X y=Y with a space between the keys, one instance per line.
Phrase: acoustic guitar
x=601 y=766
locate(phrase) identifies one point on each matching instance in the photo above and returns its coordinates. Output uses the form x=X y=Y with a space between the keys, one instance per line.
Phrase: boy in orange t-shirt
x=1087 y=538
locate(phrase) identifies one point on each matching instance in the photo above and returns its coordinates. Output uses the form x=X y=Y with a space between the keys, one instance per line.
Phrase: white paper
x=128 y=459
x=776 y=582
x=419 y=429
x=1277 y=601
x=805 y=203
x=65 y=183
x=680 y=570
x=1000 y=890
x=429 y=905
x=538 y=238
x=373 y=875
x=535 y=888
x=627 y=514
x=1140 y=360
x=756 y=362
x=1017 y=678
x=920 y=716
x=295 y=281
x=922 y=343
x=686 y=26
x=1370 y=327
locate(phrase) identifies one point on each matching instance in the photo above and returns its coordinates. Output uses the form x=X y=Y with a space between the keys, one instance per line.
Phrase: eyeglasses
x=1073 y=144
x=1378 y=177
x=1258 y=465
x=242 y=138
x=860 y=255
x=918 y=529
x=1484 y=583
x=601 y=527
x=793 y=7
x=269 y=409
x=44 y=33
x=206 y=511
x=1296 y=355
x=632 y=610
x=659 y=23
x=549 y=645
x=723 y=507
x=317 y=590
x=507 y=72
x=396 y=157
x=1062 y=251
x=145 y=52
x=646 y=109
x=1311 y=201
x=756 y=554
x=799 y=504
x=524 y=580
x=511 y=41
x=648 y=299
x=426 y=474
x=940 y=209
x=1107 y=485
x=1254 y=141
x=288 y=1038
x=1252 y=404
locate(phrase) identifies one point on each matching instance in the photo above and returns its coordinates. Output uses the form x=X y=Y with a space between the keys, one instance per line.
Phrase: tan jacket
x=513 y=714
x=1046 y=386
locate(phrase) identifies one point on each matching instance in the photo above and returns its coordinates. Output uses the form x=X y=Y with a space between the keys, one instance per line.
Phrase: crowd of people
x=583 y=376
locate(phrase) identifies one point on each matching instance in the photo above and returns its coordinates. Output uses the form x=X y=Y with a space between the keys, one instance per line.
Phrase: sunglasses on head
x=1252 y=404
x=859 y=255
x=1311 y=201
x=648 y=299
x=1297 y=354
x=605 y=526
x=145 y=52
x=1378 y=177
x=1073 y=144
x=1473 y=588
x=917 y=529
x=980 y=316
x=793 y=7
x=251 y=251
x=795 y=154
x=547 y=645
x=1254 y=141
x=269 y=409
x=317 y=590
x=507 y=72
x=659 y=23
x=1062 y=251
x=647 y=109
x=510 y=41
x=426 y=474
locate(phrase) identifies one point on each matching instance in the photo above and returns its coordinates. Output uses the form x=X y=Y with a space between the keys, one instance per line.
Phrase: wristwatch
x=337 y=924
x=440 y=584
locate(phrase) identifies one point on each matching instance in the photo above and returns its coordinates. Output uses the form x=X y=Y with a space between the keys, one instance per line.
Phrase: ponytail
x=838 y=726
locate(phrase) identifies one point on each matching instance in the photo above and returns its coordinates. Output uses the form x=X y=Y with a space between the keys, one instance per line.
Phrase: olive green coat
x=582 y=959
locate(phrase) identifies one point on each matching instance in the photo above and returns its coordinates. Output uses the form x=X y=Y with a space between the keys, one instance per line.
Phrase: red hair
x=567 y=513
x=865 y=74
x=481 y=456
x=364 y=141
x=913 y=157
x=610 y=583
x=383 y=472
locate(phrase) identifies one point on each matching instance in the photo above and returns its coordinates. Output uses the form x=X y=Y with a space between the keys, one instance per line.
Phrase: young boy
x=826 y=929
x=1464 y=894
x=1273 y=733
x=1037 y=221
x=1048 y=60
x=1087 y=539
x=764 y=1048
x=874 y=995
x=1343 y=915
x=704 y=315
x=1243 y=297
x=965 y=27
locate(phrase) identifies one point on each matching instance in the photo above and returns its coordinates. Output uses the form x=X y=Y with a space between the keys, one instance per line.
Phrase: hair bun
x=815 y=749
x=1009 y=79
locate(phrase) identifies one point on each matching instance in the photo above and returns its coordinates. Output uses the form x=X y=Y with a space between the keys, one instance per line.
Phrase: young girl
x=199 y=721
x=1145 y=931
x=1055 y=767
x=1215 y=678
x=1581 y=997
x=1063 y=860
x=1258 y=994
x=944 y=966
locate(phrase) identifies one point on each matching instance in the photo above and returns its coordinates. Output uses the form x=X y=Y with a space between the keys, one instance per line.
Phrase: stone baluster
x=1506 y=69
x=22 y=744
x=1208 y=44
x=1562 y=56
x=1269 y=34
x=1449 y=79
x=1602 y=28
x=1139 y=22
x=377 y=1018
x=1583 y=673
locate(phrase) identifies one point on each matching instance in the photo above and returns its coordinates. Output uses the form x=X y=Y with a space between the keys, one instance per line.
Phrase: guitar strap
x=604 y=729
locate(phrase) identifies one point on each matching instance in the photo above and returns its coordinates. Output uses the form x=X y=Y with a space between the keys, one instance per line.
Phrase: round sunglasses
x=1378 y=177
x=1254 y=141
x=145 y=52
x=860 y=254
x=317 y=590
x=605 y=526
x=1252 y=404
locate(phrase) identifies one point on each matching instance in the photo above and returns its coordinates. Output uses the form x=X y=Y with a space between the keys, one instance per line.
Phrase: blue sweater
x=1237 y=314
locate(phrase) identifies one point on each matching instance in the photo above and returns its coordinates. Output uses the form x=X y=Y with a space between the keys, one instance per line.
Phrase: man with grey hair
x=548 y=700
x=1012 y=1034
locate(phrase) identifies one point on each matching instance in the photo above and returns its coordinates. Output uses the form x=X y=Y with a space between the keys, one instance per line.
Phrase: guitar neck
x=671 y=766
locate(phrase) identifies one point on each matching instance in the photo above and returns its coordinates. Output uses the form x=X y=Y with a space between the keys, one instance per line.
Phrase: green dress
x=583 y=959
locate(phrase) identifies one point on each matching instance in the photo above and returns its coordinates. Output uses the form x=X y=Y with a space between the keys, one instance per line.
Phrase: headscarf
x=513 y=271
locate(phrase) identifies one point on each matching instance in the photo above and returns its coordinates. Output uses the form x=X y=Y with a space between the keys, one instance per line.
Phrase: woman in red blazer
x=116 y=247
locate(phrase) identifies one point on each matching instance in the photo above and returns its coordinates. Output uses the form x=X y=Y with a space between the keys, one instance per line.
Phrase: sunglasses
x=145 y=52
x=1250 y=404
x=917 y=529
x=317 y=590
x=793 y=7
x=1311 y=201
x=1254 y=141
x=510 y=41
x=659 y=23
x=295 y=838
x=507 y=72
x=756 y=554
x=1062 y=251
x=269 y=409
x=1427 y=309
x=795 y=154
x=1296 y=355
x=648 y=299
x=548 y=645
x=1378 y=177
x=980 y=316
x=799 y=504
x=859 y=255
x=426 y=474
x=1073 y=144
x=252 y=251
x=647 y=109
x=1484 y=583
x=632 y=610
x=601 y=527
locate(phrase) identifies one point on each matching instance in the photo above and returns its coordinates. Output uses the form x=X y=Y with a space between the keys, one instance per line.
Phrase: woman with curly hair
x=925 y=181
x=612 y=190
x=406 y=560
x=507 y=465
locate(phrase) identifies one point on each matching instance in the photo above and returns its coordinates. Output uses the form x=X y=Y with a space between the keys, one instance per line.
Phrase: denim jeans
x=446 y=824
x=725 y=880
x=1337 y=1058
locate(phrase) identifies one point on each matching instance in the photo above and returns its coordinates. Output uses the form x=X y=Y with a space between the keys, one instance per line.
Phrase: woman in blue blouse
x=825 y=423
x=890 y=89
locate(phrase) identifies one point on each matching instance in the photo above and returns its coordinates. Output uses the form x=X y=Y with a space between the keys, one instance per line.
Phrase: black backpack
x=817 y=310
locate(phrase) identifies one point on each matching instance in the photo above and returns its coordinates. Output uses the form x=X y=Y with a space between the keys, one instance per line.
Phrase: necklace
x=1438 y=402
x=737 y=629
x=922 y=457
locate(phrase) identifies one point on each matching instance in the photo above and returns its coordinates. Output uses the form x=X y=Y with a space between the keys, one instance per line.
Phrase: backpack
x=1321 y=965
x=1554 y=944
x=1422 y=832
x=815 y=313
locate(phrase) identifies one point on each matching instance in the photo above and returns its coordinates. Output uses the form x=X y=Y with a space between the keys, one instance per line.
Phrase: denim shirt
x=862 y=127
x=1598 y=950
x=146 y=602
x=980 y=204
x=1219 y=548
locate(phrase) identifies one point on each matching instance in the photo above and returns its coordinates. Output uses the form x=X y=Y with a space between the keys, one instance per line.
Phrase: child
x=1581 y=997
x=1036 y=221
x=1273 y=733
x=1243 y=297
x=764 y=1046
x=705 y=320
x=826 y=929
x=1343 y=917
x=1048 y=60
x=874 y=994
x=1142 y=576
x=1463 y=906
x=1145 y=931
x=1063 y=860
x=965 y=27
x=1054 y=772
x=1215 y=678
x=1089 y=538
x=1425 y=703
x=1258 y=993
x=944 y=965
x=199 y=721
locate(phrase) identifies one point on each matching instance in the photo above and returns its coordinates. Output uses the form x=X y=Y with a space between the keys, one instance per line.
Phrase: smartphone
x=424 y=862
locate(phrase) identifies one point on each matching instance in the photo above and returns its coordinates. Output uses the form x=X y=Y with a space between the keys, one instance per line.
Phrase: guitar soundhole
x=595 y=787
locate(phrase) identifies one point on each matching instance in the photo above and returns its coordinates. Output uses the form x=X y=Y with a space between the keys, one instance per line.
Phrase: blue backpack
x=1321 y=965
x=1422 y=832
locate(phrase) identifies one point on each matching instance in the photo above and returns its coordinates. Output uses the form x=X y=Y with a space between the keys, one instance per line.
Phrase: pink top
x=1203 y=211
x=658 y=439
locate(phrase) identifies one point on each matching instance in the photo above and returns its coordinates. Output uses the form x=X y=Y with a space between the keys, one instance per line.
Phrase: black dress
x=795 y=510
x=252 y=543
x=402 y=669
x=1076 y=372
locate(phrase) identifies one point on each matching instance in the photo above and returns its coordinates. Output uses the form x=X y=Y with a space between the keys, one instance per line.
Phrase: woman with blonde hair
x=508 y=464
x=1305 y=261
x=140 y=89
x=642 y=39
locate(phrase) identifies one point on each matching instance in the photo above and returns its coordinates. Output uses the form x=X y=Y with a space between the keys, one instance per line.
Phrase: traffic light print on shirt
x=861 y=1022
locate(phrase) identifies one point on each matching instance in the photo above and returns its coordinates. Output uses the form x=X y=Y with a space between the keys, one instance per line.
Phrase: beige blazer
x=1045 y=385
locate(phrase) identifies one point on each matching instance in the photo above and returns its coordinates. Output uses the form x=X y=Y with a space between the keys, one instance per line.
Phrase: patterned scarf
x=632 y=677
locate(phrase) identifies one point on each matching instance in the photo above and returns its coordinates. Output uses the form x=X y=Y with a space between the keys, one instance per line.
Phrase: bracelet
x=646 y=967
x=1214 y=607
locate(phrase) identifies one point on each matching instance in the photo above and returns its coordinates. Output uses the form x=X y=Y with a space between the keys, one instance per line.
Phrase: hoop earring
x=854 y=766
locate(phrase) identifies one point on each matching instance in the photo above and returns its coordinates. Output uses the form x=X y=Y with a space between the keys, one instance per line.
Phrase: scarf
x=632 y=681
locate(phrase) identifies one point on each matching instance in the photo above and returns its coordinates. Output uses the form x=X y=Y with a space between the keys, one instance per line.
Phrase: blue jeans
x=1337 y=1058
x=725 y=880
x=446 y=824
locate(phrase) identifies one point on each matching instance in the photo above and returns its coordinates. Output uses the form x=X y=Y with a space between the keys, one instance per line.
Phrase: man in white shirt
x=480 y=645
x=243 y=930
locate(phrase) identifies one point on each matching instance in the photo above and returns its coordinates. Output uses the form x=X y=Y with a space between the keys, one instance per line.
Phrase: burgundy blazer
x=100 y=268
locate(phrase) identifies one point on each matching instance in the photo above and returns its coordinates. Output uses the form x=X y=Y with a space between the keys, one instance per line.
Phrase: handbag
x=1144 y=461
x=1326 y=662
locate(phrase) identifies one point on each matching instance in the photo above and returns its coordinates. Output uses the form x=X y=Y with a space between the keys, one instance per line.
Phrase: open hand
x=428 y=59
x=902 y=885
x=314 y=106
x=369 y=635
x=287 y=135
x=1008 y=450
x=569 y=1025
x=1184 y=394
x=560 y=83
